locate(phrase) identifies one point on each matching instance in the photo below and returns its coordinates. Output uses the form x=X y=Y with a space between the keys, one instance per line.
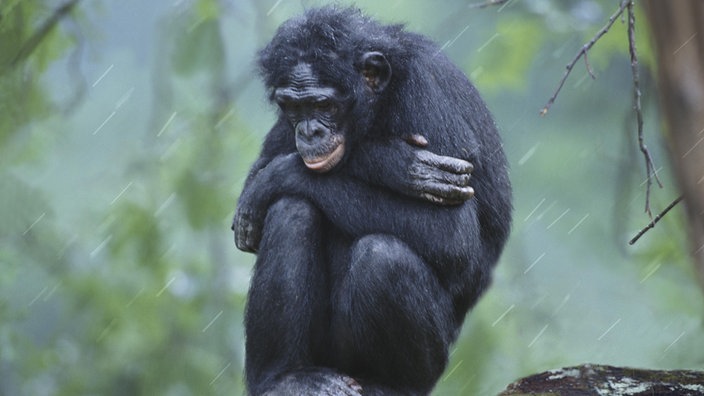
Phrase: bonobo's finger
x=433 y=198
x=459 y=180
x=416 y=140
x=427 y=173
x=247 y=243
x=440 y=201
x=454 y=165
x=241 y=240
x=453 y=193
x=448 y=164
x=448 y=192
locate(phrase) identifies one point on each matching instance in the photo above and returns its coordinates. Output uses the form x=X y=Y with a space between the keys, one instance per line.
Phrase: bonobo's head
x=321 y=113
x=327 y=71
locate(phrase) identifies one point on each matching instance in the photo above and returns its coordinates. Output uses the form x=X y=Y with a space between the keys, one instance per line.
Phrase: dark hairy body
x=371 y=244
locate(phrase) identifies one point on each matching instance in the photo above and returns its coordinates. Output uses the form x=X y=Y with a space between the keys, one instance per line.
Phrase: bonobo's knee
x=378 y=255
x=381 y=247
x=293 y=211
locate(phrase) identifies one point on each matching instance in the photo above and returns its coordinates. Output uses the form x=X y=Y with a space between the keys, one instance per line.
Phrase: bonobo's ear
x=376 y=70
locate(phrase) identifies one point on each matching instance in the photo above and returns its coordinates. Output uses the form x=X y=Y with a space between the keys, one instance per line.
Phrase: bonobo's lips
x=324 y=164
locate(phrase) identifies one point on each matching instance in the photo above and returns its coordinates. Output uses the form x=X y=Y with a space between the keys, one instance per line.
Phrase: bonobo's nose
x=310 y=130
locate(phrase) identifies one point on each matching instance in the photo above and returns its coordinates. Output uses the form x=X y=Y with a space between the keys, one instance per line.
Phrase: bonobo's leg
x=287 y=303
x=391 y=318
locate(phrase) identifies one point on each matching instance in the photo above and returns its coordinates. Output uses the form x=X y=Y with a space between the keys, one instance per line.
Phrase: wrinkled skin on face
x=313 y=111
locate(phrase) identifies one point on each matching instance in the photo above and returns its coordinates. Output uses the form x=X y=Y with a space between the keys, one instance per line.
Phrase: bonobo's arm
x=279 y=141
x=358 y=209
x=404 y=167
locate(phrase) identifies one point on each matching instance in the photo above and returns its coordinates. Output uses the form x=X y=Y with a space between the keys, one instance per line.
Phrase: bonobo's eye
x=325 y=106
x=289 y=106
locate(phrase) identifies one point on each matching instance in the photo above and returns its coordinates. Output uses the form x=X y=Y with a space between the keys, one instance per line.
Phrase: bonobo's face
x=315 y=111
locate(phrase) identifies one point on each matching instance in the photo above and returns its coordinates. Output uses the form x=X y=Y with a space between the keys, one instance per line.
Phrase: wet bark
x=597 y=380
x=677 y=28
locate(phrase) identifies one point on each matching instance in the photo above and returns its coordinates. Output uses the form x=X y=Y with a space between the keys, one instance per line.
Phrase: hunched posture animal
x=371 y=245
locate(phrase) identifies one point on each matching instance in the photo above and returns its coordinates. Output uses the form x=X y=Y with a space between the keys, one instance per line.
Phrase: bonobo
x=371 y=244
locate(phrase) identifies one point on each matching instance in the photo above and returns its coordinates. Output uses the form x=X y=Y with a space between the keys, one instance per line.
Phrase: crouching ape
x=371 y=245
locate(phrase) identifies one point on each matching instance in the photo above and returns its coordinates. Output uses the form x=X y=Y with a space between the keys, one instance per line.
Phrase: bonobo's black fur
x=371 y=245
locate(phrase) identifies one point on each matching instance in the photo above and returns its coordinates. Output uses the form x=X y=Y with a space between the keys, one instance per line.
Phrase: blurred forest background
x=126 y=131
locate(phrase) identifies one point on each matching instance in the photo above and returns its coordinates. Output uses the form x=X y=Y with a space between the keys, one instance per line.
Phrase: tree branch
x=33 y=42
x=583 y=52
x=629 y=5
x=655 y=220
x=649 y=166
x=489 y=3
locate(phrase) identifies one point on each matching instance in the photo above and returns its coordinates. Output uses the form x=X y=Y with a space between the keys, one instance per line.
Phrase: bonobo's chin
x=326 y=163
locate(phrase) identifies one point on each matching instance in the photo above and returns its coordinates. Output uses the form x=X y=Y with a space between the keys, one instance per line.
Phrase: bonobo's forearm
x=279 y=141
x=404 y=168
x=381 y=163
x=359 y=209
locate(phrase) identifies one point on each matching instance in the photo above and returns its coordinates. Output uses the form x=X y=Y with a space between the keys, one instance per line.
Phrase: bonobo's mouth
x=326 y=163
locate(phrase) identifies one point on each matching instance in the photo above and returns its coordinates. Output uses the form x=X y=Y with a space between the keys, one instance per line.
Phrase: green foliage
x=135 y=233
x=124 y=298
x=503 y=64
x=200 y=198
x=25 y=54
x=20 y=206
x=199 y=47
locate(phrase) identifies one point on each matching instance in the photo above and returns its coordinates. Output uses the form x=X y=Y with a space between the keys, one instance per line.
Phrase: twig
x=488 y=3
x=655 y=220
x=33 y=42
x=583 y=52
x=649 y=166
x=588 y=66
x=73 y=67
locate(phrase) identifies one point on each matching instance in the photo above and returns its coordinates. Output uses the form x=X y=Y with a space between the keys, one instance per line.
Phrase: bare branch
x=583 y=52
x=589 y=67
x=655 y=220
x=33 y=42
x=489 y=3
x=649 y=166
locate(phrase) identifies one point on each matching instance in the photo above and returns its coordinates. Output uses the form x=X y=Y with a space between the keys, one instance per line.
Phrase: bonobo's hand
x=258 y=194
x=248 y=232
x=249 y=218
x=439 y=179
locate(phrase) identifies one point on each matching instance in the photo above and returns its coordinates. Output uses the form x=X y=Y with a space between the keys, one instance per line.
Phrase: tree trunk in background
x=678 y=35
